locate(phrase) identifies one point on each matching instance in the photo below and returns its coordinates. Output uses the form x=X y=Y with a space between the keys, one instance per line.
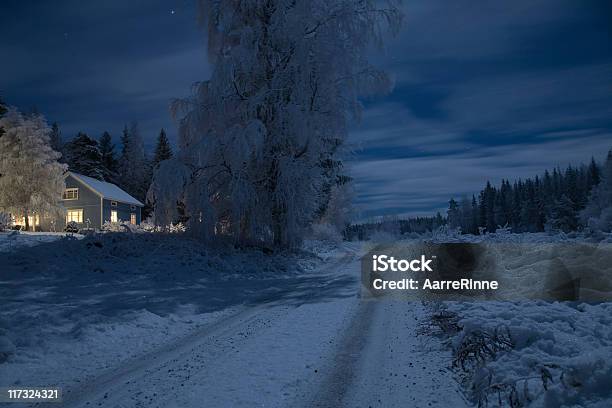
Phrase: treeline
x=568 y=200
x=575 y=199
x=393 y=226
x=127 y=166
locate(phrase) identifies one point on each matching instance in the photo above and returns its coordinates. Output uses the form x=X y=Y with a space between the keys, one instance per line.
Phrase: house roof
x=106 y=190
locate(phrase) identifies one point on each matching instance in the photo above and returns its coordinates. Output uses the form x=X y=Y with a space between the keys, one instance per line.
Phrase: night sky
x=484 y=90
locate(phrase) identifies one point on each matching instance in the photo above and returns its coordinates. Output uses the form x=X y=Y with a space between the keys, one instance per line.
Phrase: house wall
x=123 y=211
x=89 y=201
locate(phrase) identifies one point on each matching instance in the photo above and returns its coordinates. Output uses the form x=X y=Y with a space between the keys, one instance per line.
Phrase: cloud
x=423 y=185
x=485 y=91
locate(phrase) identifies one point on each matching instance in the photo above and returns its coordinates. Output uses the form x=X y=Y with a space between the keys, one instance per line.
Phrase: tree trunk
x=27 y=221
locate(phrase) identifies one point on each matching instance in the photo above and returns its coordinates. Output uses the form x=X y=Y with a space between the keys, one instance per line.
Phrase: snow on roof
x=107 y=190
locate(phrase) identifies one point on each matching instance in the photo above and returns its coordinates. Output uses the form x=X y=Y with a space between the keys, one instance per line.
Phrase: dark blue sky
x=484 y=90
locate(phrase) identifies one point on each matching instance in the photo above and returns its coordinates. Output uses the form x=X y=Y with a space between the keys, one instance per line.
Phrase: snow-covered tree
x=167 y=192
x=163 y=151
x=31 y=178
x=453 y=214
x=110 y=165
x=264 y=135
x=598 y=212
x=83 y=156
x=134 y=167
x=339 y=210
x=564 y=217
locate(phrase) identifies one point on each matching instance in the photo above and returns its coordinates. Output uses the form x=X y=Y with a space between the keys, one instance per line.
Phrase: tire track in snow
x=123 y=385
x=381 y=362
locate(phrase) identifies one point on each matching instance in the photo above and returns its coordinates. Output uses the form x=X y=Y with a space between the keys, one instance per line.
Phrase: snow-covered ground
x=533 y=353
x=12 y=240
x=130 y=320
x=106 y=298
x=158 y=320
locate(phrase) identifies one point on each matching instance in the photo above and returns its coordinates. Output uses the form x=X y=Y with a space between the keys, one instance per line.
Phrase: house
x=90 y=202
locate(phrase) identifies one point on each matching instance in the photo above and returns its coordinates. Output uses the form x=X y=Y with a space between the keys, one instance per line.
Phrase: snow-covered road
x=331 y=352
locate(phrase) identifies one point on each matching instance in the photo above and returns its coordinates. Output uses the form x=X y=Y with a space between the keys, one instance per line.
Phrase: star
x=172 y=12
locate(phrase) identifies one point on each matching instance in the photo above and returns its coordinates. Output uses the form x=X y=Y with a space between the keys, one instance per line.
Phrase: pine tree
x=134 y=167
x=56 y=138
x=516 y=207
x=474 y=217
x=594 y=173
x=490 y=198
x=597 y=214
x=163 y=151
x=453 y=214
x=564 y=217
x=109 y=162
x=31 y=178
x=83 y=156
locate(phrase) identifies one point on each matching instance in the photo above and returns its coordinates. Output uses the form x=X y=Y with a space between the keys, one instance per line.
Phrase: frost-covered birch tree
x=31 y=178
x=263 y=137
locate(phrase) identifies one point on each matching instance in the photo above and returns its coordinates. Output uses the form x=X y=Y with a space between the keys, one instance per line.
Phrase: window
x=71 y=194
x=114 y=216
x=74 y=215
x=113 y=203
x=133 y=219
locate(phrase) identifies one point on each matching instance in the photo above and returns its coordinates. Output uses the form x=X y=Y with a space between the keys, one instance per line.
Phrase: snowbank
x=13 y=240
x=71 y=308
x=533 y=353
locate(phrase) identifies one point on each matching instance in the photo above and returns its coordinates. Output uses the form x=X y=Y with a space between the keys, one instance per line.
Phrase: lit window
x=71 y=194
x=114 y=216
x=113 y=203
x=74 y=215
x=133 y=219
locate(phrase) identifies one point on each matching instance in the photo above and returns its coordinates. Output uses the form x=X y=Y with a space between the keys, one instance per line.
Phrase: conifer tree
x=83 y=156
x=453 y=214
x=598 y=213
x=109 y=161
x=56 y=138
x=134 y=167
x=163 y=151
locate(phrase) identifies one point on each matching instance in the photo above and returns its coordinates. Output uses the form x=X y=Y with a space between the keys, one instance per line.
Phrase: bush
x=72 y=227
x=115 y=227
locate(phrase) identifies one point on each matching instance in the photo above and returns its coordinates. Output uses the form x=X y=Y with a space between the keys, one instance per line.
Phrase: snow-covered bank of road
x=12 y=240
x=71 y=309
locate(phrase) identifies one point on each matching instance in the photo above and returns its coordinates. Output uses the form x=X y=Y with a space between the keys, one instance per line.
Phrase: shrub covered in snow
x=109 y=226
x=72 y=226
x=522 y=353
